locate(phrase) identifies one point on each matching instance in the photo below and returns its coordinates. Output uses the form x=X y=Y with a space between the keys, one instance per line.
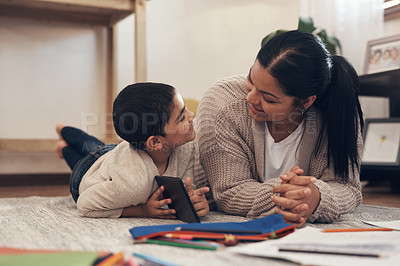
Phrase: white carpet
x=54 y=223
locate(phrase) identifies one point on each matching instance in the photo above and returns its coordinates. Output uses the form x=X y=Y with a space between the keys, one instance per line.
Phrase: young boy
x=118 y=180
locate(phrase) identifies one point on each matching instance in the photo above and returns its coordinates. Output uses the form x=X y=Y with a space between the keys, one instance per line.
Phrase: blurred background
x=52 y=71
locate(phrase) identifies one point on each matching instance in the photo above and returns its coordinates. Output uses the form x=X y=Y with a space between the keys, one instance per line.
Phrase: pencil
x=356 y=230
x=100 y=259
x=215 y=230
x=330 y=252
x=154 y=260
x=112 y=260
x=206 y=243
x=132 y=262
x=180 y=244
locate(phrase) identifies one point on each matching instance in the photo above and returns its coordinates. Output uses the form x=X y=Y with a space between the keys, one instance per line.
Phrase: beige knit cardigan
x=231 y=146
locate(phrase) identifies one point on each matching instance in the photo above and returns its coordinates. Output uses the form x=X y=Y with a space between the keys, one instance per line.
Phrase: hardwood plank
x=27 y=191
x=93 y=6
x=110 y=95
x=34 y=179
x=103 y=13
x=140 y=41
x=381 y=194
x=27 y=145
x=42 y=145
x=109 y=4
x=13 y=163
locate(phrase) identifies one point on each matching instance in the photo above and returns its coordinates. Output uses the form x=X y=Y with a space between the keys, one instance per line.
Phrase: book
x=271 y=226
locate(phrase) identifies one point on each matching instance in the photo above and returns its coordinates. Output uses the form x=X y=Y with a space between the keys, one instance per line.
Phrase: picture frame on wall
x=382 y=55
x=381 y=142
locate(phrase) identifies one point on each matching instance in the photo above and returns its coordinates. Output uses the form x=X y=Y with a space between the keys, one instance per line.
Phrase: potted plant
x=307 y=25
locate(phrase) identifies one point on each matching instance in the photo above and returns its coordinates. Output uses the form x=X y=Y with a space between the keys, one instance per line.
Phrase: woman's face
x=267 y=102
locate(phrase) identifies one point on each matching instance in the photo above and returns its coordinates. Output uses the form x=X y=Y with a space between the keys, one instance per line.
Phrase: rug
x=54 y=223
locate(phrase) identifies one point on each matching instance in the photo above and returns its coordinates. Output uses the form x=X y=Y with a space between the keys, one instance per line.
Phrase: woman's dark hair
x=142 y=110
x=302 y=66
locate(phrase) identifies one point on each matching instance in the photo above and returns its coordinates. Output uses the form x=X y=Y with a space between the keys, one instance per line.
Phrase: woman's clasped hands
x=298 y=197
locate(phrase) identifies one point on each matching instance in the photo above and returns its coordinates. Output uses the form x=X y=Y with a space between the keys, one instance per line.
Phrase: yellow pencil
x=356 y=230
x=114 y=259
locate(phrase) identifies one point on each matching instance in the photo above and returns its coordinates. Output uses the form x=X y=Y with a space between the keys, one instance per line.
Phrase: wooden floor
x=381 y=195
x=373 y=194
x=34 y=190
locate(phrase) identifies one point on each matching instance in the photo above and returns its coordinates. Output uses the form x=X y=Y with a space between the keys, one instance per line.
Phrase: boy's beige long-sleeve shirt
x=124 y=176
x=231 y=147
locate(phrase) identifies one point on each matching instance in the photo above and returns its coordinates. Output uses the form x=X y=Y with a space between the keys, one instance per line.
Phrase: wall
x=49 y=73
x=205 y=41
x=197 y=43
x=392 y=25
x=53 y=73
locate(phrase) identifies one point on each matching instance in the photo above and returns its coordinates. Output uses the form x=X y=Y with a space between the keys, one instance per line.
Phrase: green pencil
x=177 y=244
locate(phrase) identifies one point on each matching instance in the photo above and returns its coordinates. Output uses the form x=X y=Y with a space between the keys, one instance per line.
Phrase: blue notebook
x=265 y=225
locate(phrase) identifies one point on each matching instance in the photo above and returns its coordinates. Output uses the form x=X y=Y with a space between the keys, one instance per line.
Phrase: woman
x=286 y=138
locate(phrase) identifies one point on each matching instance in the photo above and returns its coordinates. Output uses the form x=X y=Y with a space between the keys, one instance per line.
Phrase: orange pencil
x=114 y=259
x=356 y=230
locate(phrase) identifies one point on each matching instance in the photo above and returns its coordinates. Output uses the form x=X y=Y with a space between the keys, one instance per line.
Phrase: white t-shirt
x=281 y=156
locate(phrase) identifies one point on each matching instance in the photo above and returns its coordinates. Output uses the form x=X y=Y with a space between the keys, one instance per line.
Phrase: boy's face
x=179 y=129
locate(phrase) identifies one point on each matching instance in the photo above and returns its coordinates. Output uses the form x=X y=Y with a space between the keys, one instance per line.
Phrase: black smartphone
x=176 y=191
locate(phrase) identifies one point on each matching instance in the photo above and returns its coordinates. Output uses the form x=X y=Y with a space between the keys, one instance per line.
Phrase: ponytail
x=342 y=117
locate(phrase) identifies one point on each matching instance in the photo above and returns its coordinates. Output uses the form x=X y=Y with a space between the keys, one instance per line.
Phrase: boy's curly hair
x=142 y=110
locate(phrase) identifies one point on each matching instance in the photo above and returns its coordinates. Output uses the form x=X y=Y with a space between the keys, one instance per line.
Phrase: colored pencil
x=204 y=243
x=100 y=259
x=180 y=244
x=222 y=231
x=112 y=260
x=356 y=230
x=154 y=260
x=132 y=262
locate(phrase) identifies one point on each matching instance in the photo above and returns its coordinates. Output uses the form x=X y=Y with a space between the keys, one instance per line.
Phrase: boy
x=118 y=180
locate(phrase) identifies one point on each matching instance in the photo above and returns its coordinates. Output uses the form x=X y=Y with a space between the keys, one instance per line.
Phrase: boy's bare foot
x=59 y=127
x=61 y=144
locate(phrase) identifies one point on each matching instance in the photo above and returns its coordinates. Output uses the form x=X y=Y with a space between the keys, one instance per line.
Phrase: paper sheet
x=395 y=225
x=385 y=243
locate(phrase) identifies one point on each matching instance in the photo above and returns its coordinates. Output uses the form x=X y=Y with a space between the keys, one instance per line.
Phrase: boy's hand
x=152 y=207
x=198 y=198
